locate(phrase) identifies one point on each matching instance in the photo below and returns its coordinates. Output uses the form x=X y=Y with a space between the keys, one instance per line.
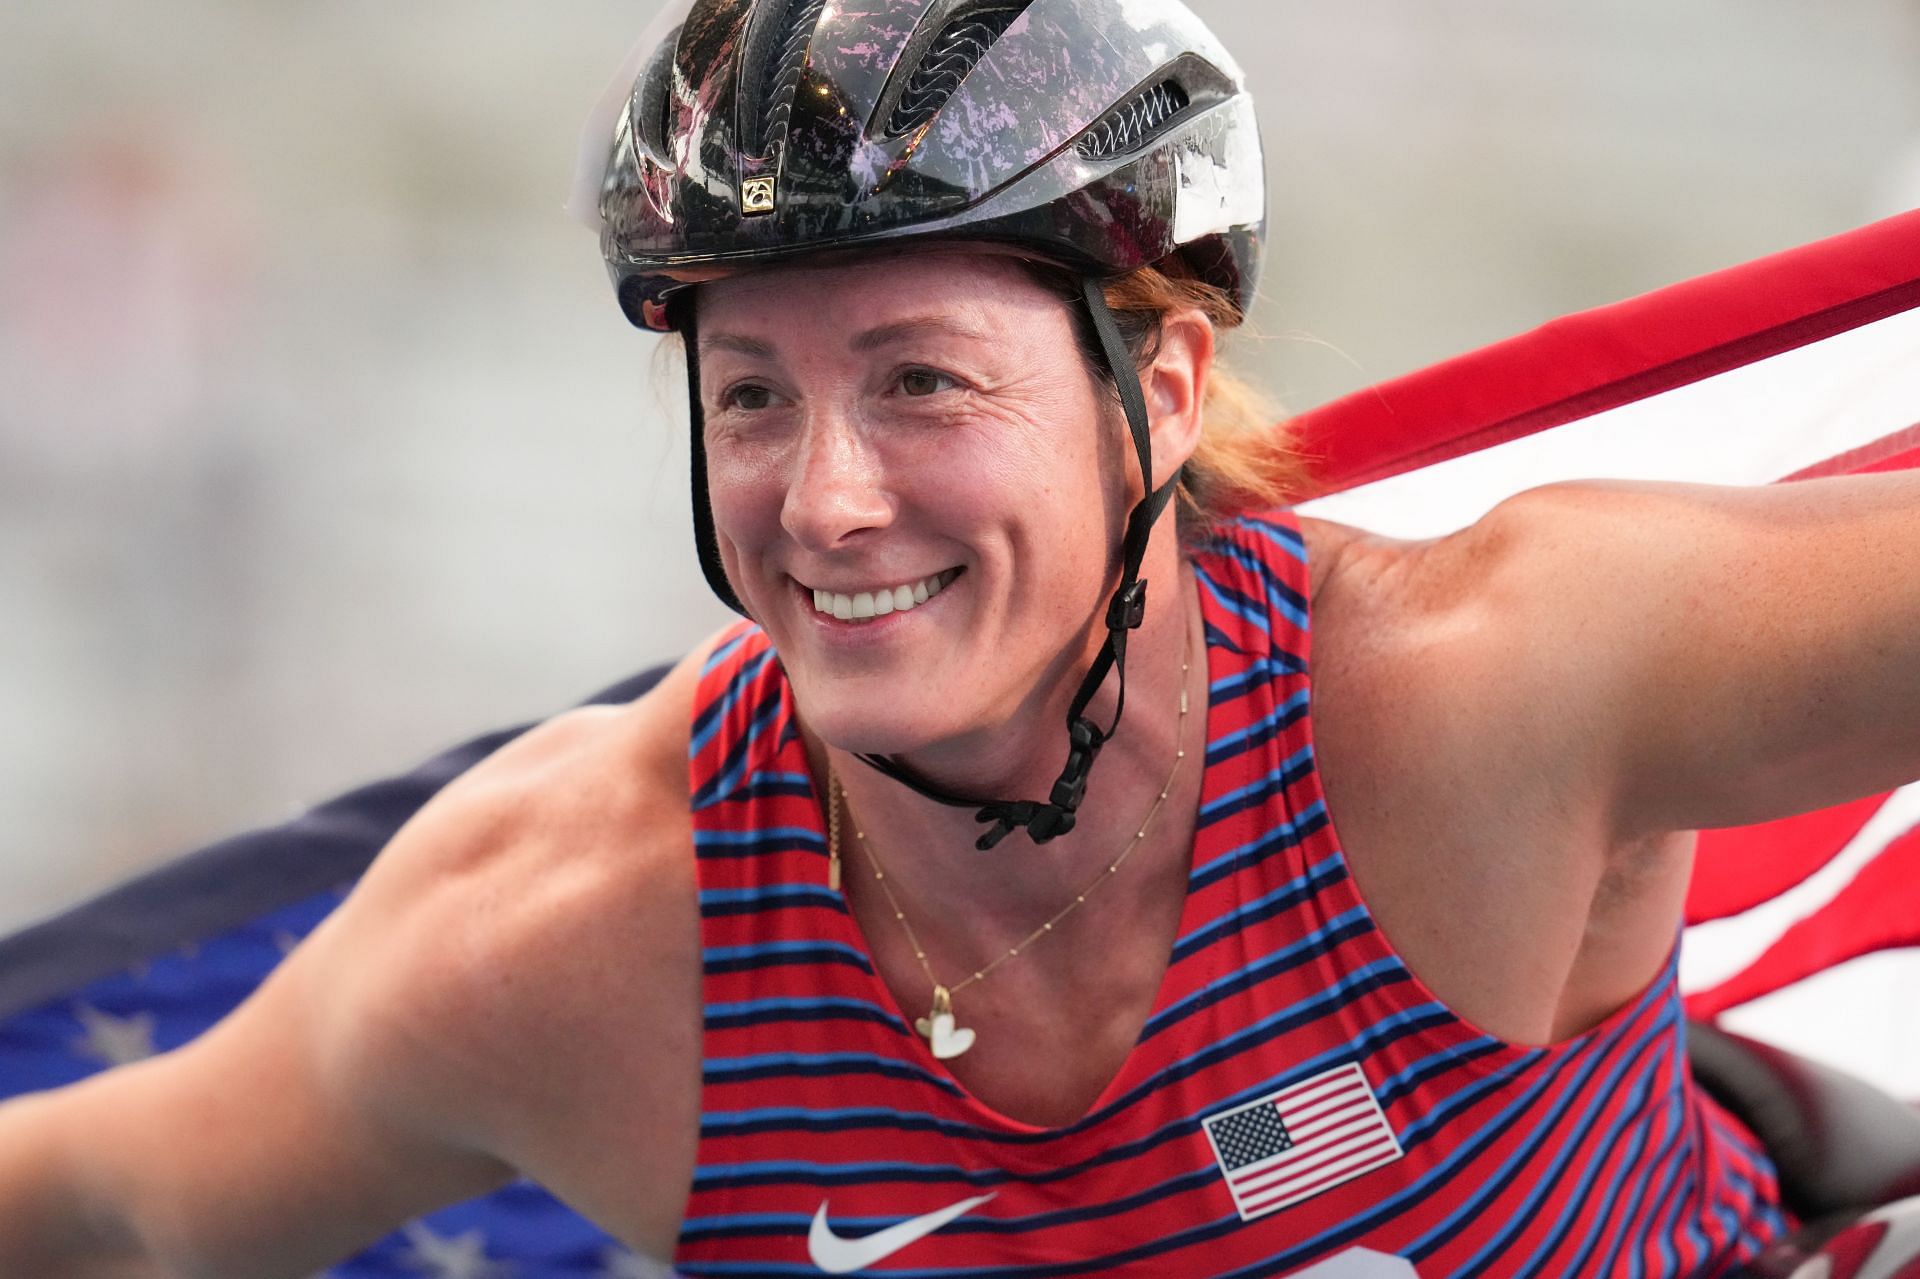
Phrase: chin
x=845 y=717
x=860 y=732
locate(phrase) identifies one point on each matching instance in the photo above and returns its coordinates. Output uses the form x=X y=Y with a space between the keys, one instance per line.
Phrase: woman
x=1339 y=932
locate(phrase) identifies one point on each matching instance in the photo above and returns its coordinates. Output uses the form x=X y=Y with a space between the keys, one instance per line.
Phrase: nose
x=835 y=489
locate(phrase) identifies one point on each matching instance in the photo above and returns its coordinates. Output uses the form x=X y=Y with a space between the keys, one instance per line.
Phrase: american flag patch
x=1292 y=1144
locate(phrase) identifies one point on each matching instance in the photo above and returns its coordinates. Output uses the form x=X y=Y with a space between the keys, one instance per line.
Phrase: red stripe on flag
x=1740 y=867
x=1879 y=909
x=1597 y=360
x=1377 y=1149
x=1897 y=452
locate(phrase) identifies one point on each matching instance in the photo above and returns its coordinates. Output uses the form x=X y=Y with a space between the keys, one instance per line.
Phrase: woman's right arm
x=263 y=1148
x=399 y=1058
x=328 y=1108
x=47 y=1224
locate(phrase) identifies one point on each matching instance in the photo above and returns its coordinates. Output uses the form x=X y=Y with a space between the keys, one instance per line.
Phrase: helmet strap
x=1126 y=610
x=706 y=543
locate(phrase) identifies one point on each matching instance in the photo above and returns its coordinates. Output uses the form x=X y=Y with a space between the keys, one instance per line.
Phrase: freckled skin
x=830 y=466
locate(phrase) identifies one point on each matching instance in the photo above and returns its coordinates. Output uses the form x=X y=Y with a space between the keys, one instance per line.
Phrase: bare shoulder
x=1461 y=724
x=585 y=812
x=1552 y=612
x=1482 y=639
x=1497 y=583
x=523 y=962
x=512 y=988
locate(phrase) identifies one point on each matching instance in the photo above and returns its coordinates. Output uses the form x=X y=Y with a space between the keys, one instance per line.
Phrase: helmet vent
x=779 y=79
x=955 y=51
x=652 y=105
x=1134 y=121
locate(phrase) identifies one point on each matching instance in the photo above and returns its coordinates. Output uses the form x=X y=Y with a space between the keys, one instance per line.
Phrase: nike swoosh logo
x=839 y=1256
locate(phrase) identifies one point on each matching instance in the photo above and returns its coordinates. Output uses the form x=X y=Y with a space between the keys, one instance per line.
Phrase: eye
x=747 y=395
x=924 y=382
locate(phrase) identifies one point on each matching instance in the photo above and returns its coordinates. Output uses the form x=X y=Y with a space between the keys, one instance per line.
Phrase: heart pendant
x=938 y=1028
x=945 y=1038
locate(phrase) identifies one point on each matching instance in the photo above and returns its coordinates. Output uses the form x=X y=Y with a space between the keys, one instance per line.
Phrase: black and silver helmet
x=1101 y=135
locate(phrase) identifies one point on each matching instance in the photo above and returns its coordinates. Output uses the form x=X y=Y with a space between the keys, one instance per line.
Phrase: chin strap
x=1125 y=611
x=681 y=317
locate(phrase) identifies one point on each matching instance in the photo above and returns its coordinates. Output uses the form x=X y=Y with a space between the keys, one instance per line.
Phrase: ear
x=1176 y=389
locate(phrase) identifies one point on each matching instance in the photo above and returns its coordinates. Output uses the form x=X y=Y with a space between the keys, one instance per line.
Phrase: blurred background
x=323 y=444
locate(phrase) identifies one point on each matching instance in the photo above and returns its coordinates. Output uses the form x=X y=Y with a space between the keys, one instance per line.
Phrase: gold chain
x=938 y=1026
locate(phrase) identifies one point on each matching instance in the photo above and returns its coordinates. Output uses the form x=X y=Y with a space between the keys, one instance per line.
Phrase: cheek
x=1038 y=508
x=745 y=487
x=745 y=496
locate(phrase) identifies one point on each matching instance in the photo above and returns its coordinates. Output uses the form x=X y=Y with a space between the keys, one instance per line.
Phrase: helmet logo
x=756 y=195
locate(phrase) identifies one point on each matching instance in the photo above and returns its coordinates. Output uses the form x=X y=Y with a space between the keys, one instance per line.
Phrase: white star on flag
x=452 y=1257
x=618 y=1263
x=114 y=1041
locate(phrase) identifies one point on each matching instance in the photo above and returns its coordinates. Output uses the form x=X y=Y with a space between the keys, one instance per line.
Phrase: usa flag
x=1804 y=932
x=1304 y=1139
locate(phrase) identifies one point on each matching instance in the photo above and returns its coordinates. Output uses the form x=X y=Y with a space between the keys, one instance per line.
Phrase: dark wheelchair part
x=1847 y=1153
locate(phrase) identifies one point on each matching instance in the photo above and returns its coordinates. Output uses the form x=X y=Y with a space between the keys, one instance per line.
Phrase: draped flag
x=1802 y=364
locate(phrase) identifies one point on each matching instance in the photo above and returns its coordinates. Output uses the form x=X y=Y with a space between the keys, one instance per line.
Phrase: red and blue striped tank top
x=1295 y=1095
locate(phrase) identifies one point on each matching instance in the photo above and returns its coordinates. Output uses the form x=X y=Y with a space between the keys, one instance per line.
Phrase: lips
x=861 y=606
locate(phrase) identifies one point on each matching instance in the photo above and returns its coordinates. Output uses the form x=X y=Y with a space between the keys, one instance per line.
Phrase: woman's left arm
x=1745 y=653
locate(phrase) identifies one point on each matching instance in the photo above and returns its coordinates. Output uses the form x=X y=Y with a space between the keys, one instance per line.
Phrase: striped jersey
x=1297 y=1098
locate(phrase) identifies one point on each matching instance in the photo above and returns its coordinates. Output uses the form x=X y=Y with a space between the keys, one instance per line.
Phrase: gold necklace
x=943 y=1034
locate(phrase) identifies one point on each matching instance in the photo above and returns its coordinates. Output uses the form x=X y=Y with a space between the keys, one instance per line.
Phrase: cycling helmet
x=1099 y=135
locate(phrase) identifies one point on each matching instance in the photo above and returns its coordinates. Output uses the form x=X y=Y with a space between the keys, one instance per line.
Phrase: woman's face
x=916 y=487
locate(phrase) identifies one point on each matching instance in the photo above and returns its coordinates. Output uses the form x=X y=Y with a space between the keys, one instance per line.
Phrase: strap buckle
x=1128 y=607
x=1084 y=741
x=1056 y=817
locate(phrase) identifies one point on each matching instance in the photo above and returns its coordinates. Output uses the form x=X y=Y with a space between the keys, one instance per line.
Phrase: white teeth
x=870 y=604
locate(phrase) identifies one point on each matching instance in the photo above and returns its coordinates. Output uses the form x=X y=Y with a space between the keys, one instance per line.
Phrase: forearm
x=52 y=1226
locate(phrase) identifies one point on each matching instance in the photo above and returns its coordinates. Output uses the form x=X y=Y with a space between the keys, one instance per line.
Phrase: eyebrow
x=736 y=342
x=866 y=340
x=904 y=330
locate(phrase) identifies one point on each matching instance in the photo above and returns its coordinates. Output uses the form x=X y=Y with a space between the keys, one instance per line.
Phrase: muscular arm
x=1739 y=653
x=389 y=1065
x=245 y=1153
x=1515 y=720
x=257 y=1150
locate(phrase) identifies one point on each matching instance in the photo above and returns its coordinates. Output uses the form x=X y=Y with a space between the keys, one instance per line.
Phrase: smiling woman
x=1355 y=951
x=898 y=437
x=954 y=410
